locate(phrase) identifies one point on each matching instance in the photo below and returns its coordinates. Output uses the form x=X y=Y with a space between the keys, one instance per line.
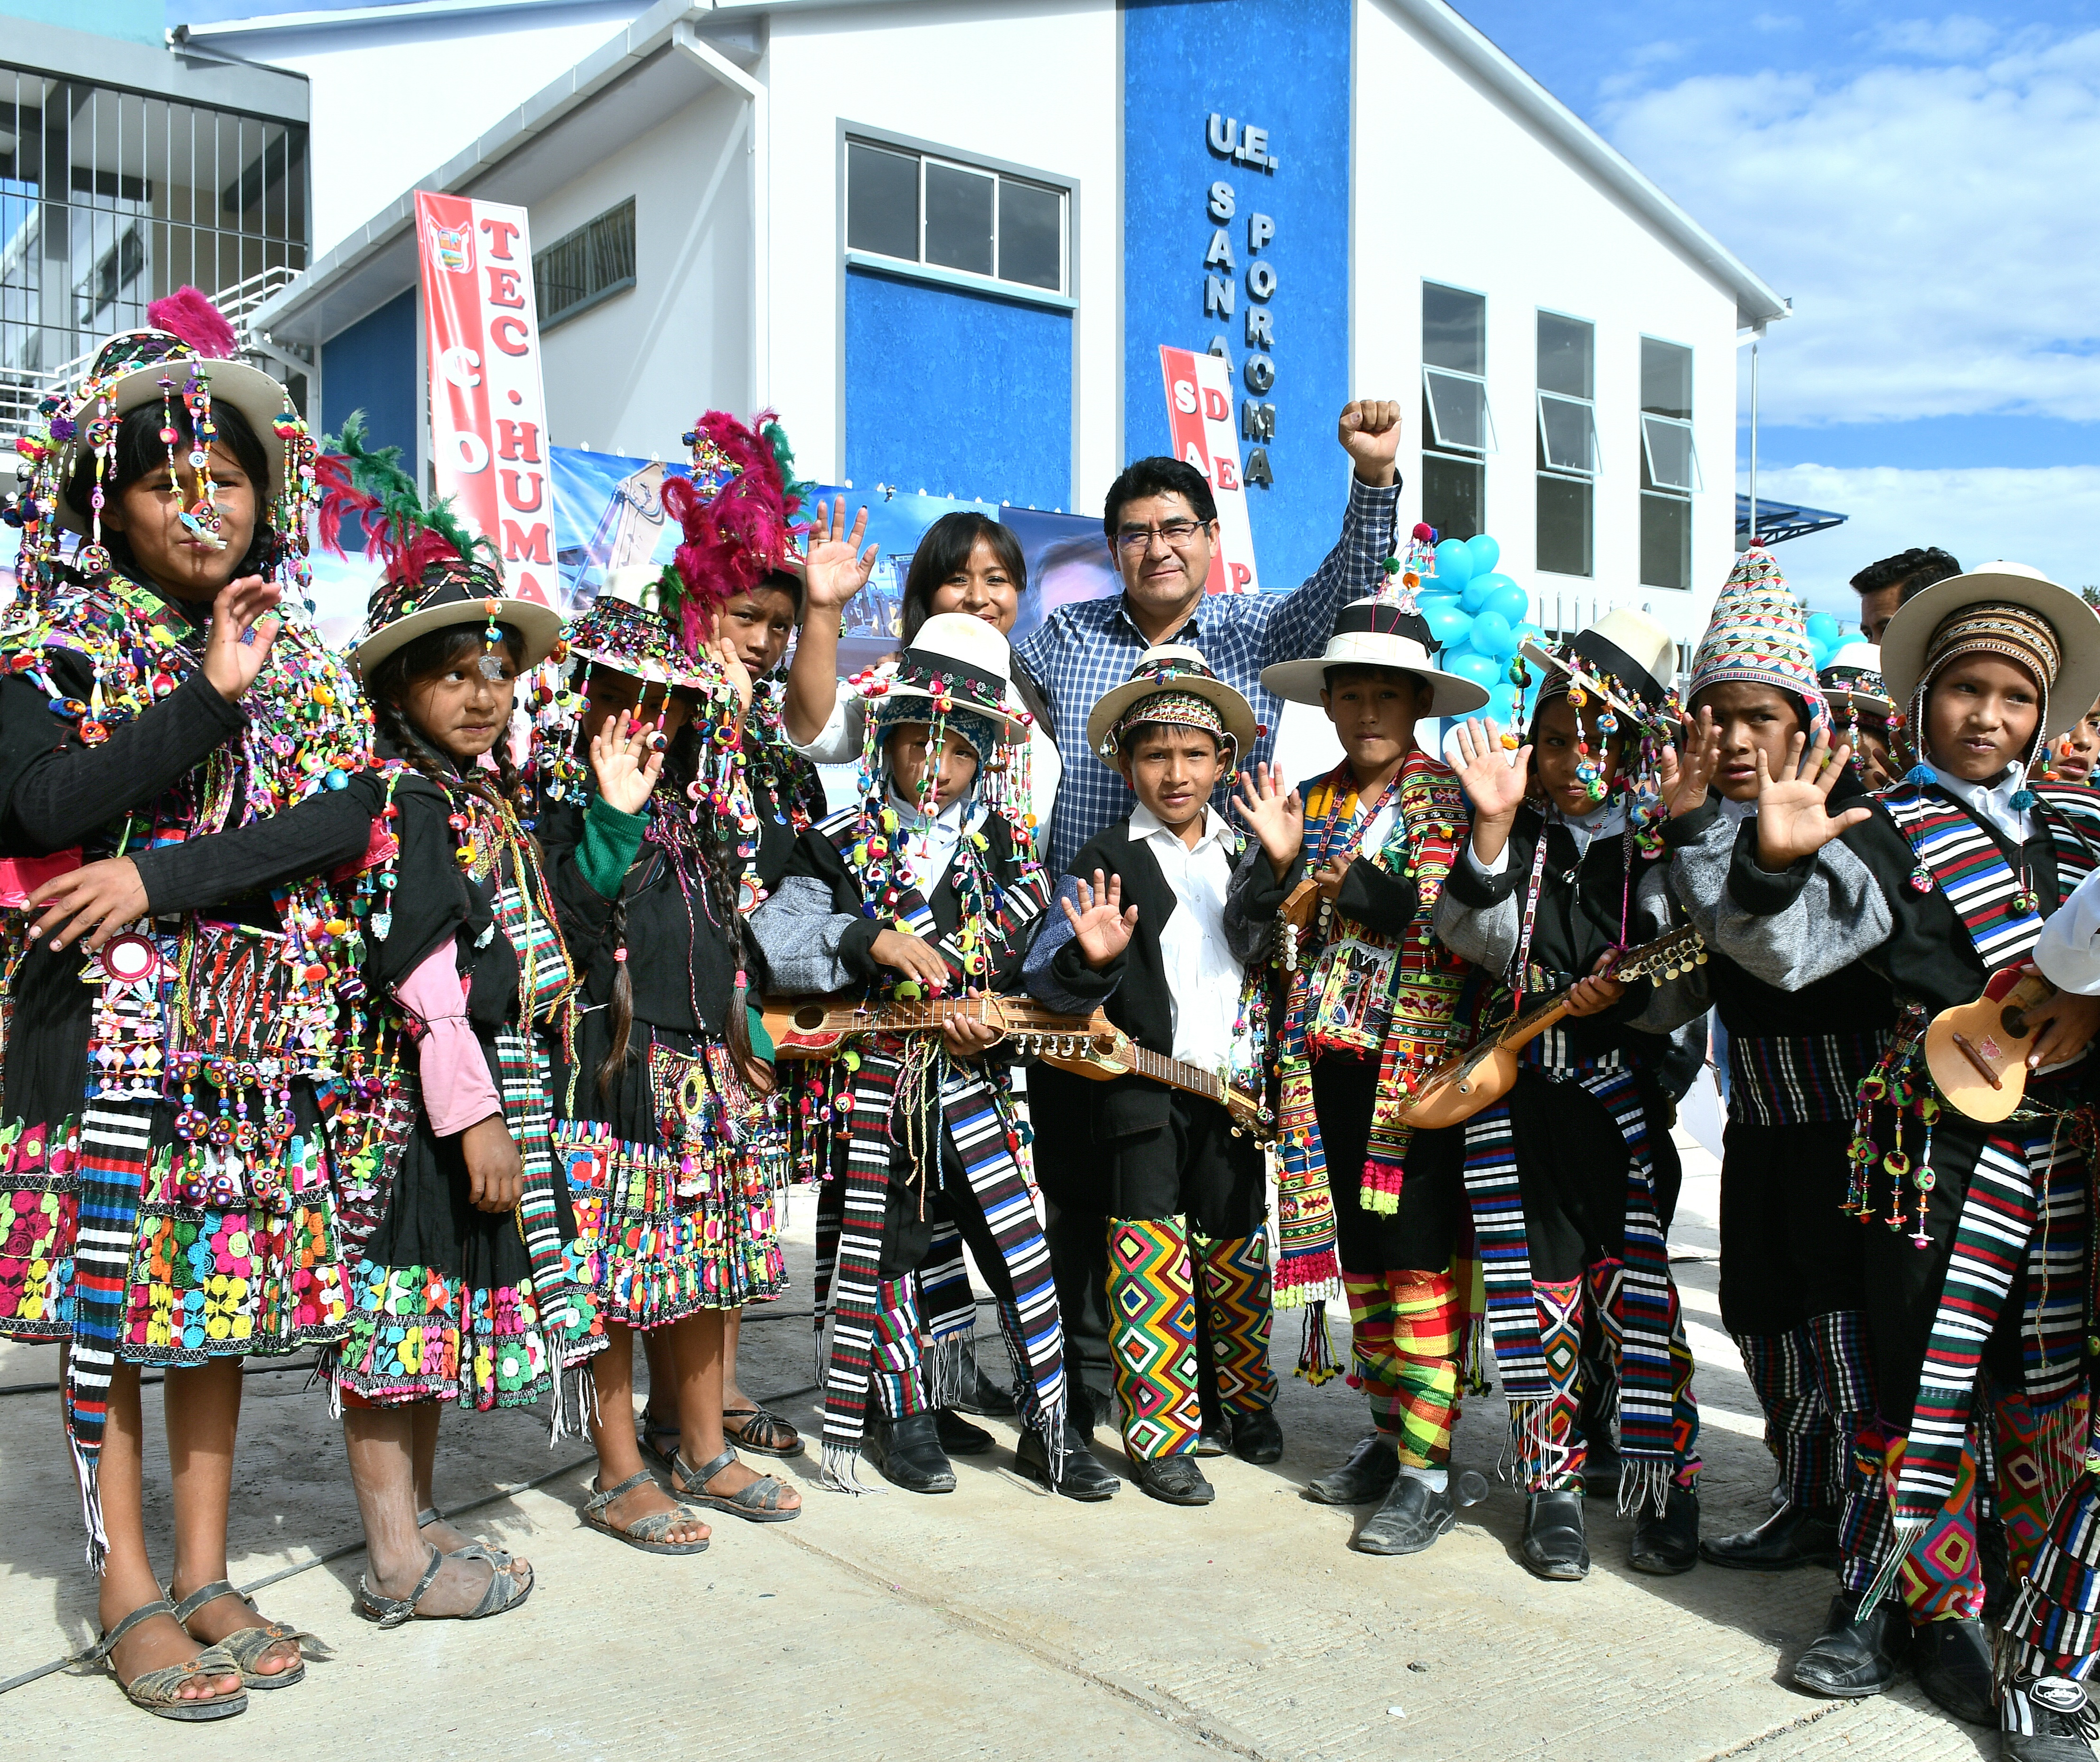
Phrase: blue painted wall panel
x=371 y=367
x=958 y=393
x=1285 y=68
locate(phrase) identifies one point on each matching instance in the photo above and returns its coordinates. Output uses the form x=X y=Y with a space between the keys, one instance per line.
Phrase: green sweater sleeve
x=611 y=838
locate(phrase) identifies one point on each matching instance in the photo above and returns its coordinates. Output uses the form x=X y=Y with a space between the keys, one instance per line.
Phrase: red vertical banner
x=488 y=412
x=1199 y=420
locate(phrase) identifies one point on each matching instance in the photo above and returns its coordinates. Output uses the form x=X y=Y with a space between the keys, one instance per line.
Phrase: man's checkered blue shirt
x=1087 y=649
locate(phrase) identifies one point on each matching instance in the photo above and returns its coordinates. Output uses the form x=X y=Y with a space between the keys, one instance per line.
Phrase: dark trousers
x=1073 y=1178
x=1423 y=1234
x=1194 y=1167
x=1789 y=1249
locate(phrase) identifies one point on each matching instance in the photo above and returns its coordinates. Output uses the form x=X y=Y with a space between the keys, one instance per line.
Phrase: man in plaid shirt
x=1162 y=525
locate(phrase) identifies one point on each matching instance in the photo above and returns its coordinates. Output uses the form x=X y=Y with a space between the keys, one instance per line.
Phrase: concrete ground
x=996 y=1622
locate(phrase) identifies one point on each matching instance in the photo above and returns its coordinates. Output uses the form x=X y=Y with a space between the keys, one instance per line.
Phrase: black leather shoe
x=1174 y=1480
x=1553 y=1543
x=1792 y=1536
x=1257 y=1437
x=977 y=1393
x=1414 y=1515
x=958 y=1437
x=1367 y=1475
x=1668 y=1544
x=908 y=1454
x=1082 y=1476
x=2063 y=1719
x=1951 y=1661
x=1856 y=1658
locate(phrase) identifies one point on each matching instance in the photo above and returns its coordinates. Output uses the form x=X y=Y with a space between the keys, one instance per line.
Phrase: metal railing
x=21 y=389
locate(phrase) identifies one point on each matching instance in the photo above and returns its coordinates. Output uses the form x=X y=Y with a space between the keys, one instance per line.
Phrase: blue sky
x=1923 y=182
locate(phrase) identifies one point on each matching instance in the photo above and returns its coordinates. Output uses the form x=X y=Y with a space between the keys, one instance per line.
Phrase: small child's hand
x=626 y=767
x=1101 y=926
x=495 y=1171
x=1600 y=991
x=1277 y=816
x=966 y=1037
x=1331 y=874
x=1685 y=781
x=913 y=955
x=1494 y=779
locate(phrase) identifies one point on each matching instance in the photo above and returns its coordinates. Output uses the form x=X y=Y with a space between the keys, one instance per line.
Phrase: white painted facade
x=724 y=123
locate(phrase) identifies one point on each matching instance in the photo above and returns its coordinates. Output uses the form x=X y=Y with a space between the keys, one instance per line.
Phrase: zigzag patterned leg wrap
x=1234 y=1270
x=1152 y=1327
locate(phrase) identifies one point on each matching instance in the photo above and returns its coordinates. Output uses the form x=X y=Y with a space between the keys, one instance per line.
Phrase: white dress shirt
x=928 y=842
x=1202 y=976
x=1992 y=801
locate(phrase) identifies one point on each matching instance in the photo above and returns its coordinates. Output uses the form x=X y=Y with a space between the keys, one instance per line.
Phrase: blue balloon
x=1485 y=551
x=1482 y=669
x=1493 y=635
x=1503 y=705
x=1510 y=601
x=1823 y=628
x=1820 y=653
x=1529 y=633
x=1475 y=599
x=1455 y=563
x=1447 y=623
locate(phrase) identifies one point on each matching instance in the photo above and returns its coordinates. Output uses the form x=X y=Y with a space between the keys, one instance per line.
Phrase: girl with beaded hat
x=1978 y=1251
x=1572 y=1178
x=928 y=884
x=162 y=1167
x=663 y=1124
x=454 y=1217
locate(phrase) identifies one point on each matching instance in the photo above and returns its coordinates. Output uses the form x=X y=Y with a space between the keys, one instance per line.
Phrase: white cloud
x=2048 y=518
x=1959 y=38
x=1933 y=225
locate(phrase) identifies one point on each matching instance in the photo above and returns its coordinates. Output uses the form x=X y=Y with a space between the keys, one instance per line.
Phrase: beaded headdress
x=1168 y=677
x=1613 y=664
x=185 y=356
x=433 y=572
x=1758 y=635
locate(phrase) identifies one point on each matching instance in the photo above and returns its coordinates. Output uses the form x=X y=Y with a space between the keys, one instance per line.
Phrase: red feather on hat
x=189 y=314
x=734 y=537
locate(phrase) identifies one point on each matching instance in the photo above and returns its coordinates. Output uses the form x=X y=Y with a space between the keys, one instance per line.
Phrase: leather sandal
x=657 y=1441
x=505 y=1591
x=650 y=1533
x=158 y=1692
x=758 y=1502
x=497 y=1557
x=763 y=1431
x=245 y=1646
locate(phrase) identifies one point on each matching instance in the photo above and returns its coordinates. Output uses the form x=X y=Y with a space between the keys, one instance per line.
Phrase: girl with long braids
x=453 y=1218
x=662 y=1124
x=163 y=1180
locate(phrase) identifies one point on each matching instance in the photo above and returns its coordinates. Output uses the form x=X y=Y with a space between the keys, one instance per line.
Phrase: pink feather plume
x=189 y=314
x=732 y=540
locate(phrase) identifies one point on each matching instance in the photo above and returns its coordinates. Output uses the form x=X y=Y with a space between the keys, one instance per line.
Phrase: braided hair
x=436 y=651
x=1910 y=573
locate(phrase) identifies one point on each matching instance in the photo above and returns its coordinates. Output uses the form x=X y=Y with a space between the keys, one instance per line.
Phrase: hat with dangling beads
x=1758 y=635
x=186 y=355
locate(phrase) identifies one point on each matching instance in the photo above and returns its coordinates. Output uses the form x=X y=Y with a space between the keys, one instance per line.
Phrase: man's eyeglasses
x=1135 y=541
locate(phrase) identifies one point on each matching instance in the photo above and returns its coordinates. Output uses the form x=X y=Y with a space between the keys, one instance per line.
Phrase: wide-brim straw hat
x=1376 y=632
x=1908 y=638
x=449 y=594
x=956 y=662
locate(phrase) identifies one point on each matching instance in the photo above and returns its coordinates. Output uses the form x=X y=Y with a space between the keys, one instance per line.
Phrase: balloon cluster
x=1826 y=636
x=1479 y=618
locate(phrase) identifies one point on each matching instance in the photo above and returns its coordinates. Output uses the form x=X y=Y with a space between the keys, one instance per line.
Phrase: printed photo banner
x=488 y=412
x=1199 y=416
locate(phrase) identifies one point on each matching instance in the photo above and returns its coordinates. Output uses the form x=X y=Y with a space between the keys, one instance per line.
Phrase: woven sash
x=1799 y=1080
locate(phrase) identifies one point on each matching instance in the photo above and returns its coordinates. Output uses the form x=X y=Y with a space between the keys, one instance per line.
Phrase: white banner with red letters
x=488 y=414
x=1199 y=416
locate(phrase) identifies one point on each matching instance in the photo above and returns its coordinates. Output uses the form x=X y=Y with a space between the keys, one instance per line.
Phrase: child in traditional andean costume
x=1572 y=1176
x=1371 y=1002
x=1158 y=921
x=928 y=884
x=1977 y=1243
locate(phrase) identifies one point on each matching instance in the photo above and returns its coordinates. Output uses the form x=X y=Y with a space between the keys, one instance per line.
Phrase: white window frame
x=1549 y=465
x=1437 y=443
x=1656 y=486
x=920 y=267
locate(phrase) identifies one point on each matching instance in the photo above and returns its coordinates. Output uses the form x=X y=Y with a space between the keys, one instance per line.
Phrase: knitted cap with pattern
x=1758 y=635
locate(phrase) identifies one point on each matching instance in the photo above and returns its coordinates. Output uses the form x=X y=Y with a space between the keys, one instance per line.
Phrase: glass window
x=1667 y=460
x=1031 y=235
x=1666 y=541
x=1665 y=379
x=1566 y=353
x=958 y=218
x=1458 y=410
x=919 y=209
x=1668 y=465
x=1453 y=496
x=1565 y=506
x=583 y=268
x=882 y=201
x=1455 y=329
x=1567 y=434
